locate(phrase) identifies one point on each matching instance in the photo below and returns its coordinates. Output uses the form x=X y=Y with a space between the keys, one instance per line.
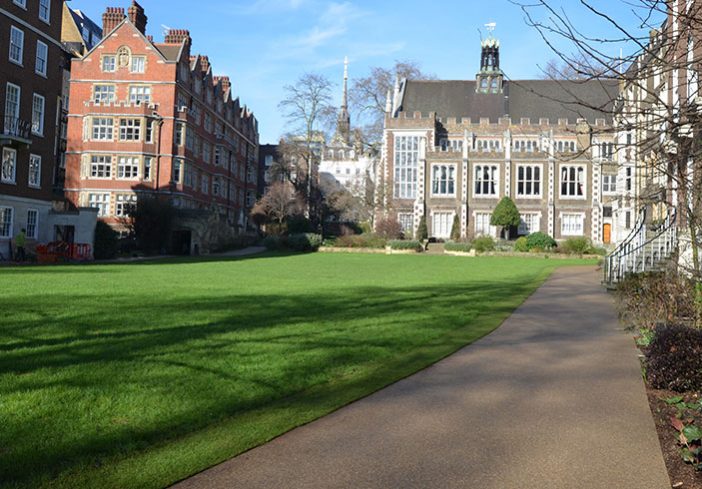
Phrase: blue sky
x=264 y=45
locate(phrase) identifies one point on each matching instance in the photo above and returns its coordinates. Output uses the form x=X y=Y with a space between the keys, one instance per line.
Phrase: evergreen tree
x=506 y=215
x=422 y=232
x=456 y=228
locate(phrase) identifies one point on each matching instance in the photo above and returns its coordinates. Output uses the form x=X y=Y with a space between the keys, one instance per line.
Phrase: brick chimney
x=137 y=16
x=177 y=36
x=110 y=19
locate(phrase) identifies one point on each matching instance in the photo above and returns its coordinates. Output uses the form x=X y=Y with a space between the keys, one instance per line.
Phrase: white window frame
x=36 y=173
x=533 y=181
x=45 y=4
x=104 y=94
x=38 y=115
x=122 y=204
x=148 y=168
x=6 y=226
x=110 y=67
x=100 y=201
x=406 y=220
x=406 y=165
x=21 y=3
x=480 y=218
x=8 y=112
x=567 y=228
x=32 y=229
x=139 y=94
x=445 y=223
x=100 y=167
x=12 y=179
x=561 y=181
x=609 y=184
x=40 y=64
x=496 y=181
x=19 y=46
x=526 y=227
x=128 y=129
x=451 y=170
x=101 y=129
x=137 y=62
x=128 y=167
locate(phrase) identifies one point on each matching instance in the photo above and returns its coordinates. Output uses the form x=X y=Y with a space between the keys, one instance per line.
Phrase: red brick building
x=150 y=119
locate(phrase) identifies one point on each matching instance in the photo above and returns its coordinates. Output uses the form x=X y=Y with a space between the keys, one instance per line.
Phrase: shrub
x=304 y=241
x=405 y=245
x=521 y=245
x=462 y=247
x=152 y=222
x=674 y=359
x=597 y=250
x=388 y=228
x=298 y=224
x=369 y=240
x=484 y=244
x=422 y=232
x=506 y=215
x=365 y=227
x=540 y=241
x=576 y=246
x=272 y=242
x=647 y=299
x=106 y=242
x=456 y=228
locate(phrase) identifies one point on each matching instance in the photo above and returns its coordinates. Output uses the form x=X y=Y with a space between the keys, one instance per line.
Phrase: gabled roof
x=535 y=99
x=126 y=21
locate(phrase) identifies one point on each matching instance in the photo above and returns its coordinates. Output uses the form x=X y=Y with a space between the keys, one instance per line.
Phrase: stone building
x=344 y=159
x=32 y=69
x=458 y=147
x=150 y=119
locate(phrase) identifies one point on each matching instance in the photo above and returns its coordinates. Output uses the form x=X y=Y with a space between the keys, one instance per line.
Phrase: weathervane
x=491 y=27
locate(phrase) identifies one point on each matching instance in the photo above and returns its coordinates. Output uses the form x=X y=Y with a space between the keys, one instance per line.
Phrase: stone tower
x=490 y=77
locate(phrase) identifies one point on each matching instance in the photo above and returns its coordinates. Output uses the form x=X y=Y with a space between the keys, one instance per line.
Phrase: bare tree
x=653 y=52
x=278 y=203
x=368 y=95
x=308 y=107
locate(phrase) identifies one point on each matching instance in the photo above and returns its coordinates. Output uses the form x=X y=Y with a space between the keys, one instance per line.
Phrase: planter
x=333 y=249
x=470 y=253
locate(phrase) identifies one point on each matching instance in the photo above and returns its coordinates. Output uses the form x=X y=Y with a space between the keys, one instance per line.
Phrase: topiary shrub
x=505 y=215
x=304 y=241
x=422 y=232
x=456 y=228
x=576 y=246
x=674 y=359
x=484 y=244
x=461 y=247
x=405 y=245
x=540 y=242
x=106 y=242
x=521 y=245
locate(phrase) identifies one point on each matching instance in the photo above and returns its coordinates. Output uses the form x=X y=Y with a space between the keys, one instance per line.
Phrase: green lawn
x=121 y=376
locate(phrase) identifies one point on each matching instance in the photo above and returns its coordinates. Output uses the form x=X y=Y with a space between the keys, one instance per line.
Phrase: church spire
x=343 y=123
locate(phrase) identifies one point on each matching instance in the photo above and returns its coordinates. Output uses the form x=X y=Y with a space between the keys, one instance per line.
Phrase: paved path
x=552 y=399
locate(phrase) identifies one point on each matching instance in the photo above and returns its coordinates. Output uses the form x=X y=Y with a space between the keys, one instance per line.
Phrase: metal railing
x=638 y=254
x=16 y=127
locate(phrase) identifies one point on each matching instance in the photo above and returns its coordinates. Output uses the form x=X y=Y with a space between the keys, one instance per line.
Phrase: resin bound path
x=552 y=399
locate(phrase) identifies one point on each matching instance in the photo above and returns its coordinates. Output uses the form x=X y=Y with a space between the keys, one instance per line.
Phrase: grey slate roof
x=169 y=51
x=535 y=99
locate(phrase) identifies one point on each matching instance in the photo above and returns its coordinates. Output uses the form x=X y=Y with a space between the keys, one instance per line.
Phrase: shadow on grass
x=260 y=352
